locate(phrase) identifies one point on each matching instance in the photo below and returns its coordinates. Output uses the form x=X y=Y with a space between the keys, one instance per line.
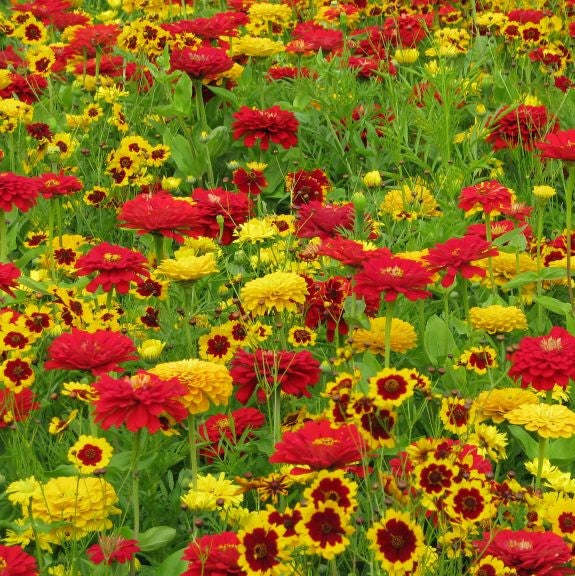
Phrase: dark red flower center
x=90 y=455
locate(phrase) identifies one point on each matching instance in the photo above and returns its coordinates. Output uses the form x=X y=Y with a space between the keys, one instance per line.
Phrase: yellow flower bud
x=372 y=179
x=151 y=349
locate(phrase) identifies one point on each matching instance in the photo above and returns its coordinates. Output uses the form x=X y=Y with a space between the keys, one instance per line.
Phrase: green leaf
x=183 y=155
x=354 y=313
x=156 y=537
x=182 y=101
x=530 y=446
x=438 y=340
x=218 y=141
x=562 y=449
x=553 y=305
x=531 y=277
x=514 y=238
x=172 y=565
x=227 y=95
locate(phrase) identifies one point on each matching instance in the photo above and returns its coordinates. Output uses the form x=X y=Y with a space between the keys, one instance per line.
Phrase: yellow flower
x=372 y=179
x=494 y=404
x=548 y=420
x=151 y=349
x=489 y=441
x=410 y=201
x=89 y=454
x=253 y=46
x=544 y=192
x=186 y=266
x=58 y=425
x=403 y=336
x=561 y=516
x=277 y=292
x=255 y=231
x=406 y=55
x=301 y=337
x=206 y=382
x=21 y=491
x=498 y=319
x=213 y=493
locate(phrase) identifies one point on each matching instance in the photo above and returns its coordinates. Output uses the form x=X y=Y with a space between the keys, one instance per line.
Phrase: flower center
x=397 y=541
x=325 y=442
x=109 y=257
x=260 y=551
x=551 y=344
x=394 y=271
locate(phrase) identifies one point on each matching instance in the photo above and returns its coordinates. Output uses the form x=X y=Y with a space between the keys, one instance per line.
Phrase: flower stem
x=465 y=298
x=158 y=248
x=489 y=238
x=3 y=237
x=569 y=232
x=136 y=442
x=192 y=441
x=387 y=336
x=277 y=413
x=539 y=239
x=543 y=443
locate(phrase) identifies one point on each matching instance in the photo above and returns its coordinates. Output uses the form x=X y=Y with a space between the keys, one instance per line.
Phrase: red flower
x=112 y=549
x=88 y=40
x=15 y=562
x=315 y=219
x=251 y=182
x=17 y=191
x=520 y=127
x=99 y=352
x=347 y=251
x=392 y=276
x=559 y=145
x=293 y=372
x=319 y=446
x=544 y=361
x=407 y=29
x=213 y=555
x=204 y=63
x=529 y=553
x=233 y=207
x=138 y=402
x=489 y=196
x=221 y=24
x=312 y=37
x=457 y=256
x=8 y=276
x=159 y=213
x=16 y=407
x=275 y=124
x=305 y=186
x=51 y=185
x=116 y=267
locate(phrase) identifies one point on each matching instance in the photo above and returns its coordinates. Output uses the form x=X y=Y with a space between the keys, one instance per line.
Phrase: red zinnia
x=252 y=182
x=204 y=63
x=319 y=446
x=159 y=213
x=457 y=256
x=544 y=361
x=58 y=185
x=8 y=276
x=325 y=221
x=489 y=196
x=99 y=352
x=305 y=186
x=293 y=372
x=116 y=267
x=213 y=555
x=112 y=549
x=529 y=553
x=138 y=402
x=15 y=562
x=275 y=124
x=16 y=407
x=17 y=191
x=559 y=145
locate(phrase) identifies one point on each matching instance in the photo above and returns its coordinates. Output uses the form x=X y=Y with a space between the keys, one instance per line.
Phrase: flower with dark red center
x=375 y=424
x=397 y=542
x=115 y=266
x=293 y=372
x=289 y=519
x=17 y=192
x=489 y=196
x=213 y=555
x=544 y=361
x=319 y=446
x=469 y=502
x=434 y=477
x=51 y=185
x=17 y=373
x=261 y=550
x=8 y=276
x=305 y=186
x=559 y=145
x=98 y=352
x=110 y=549
x=138 y=402
x=16 y=406
x=529 y=553
x=390 y=387
x=275 y=124
x=159 y=213
x=454 y=414
x=249 y=182
x=325 y=221
x=332 y=486
x=457 y=255
x=15 y=562
x=204 y=63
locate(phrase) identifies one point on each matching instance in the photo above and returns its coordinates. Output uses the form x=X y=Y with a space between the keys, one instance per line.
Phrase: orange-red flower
x=51 y=185
x=8 y=276
x=489 y=196
x=111 y=549
x=213 y=555
x=17 y=192
x=15 y=562
x=559 y=145
x=203 y=63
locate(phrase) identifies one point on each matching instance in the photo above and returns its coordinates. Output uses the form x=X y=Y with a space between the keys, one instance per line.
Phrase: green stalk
x=539 y=239
x=489 y=238
x=193 y=445
x=3 y=237
x=569 y=232
x=135 y=474
x=543 y=443
x=465 y=298
x=158 y=248
x=277 y=413
x=201 y=116
x=387 y=336
x=110 y=299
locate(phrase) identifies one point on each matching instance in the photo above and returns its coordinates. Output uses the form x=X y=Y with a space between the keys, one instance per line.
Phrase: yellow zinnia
x=498 y=319
x=186 y=266
x=403 y=336
x=548 y=420
x=494 y=404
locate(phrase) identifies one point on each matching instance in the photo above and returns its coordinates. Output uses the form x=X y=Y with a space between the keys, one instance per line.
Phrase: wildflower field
x=286 y=288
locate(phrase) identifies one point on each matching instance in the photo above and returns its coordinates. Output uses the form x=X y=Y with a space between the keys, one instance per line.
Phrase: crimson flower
x=159 y=213
x=16 y=407
x=544 y=361
x=17 y=192
x=249 y=182
x=457 y=256
x=98 y=352
x=51 y=185
x=305 y=186
x=391 y=275
x=324 y=221
x=15 y=562
x=489 y=196
x=279 y=126
x=220 y=24
x=115 y=266
x=529 y=553
x=8 y=276
x=204 y=63
x=559 y=145
x=293 y=372
x=319 y=446
x=138 y=402
x=213 y=555
x=111 y=549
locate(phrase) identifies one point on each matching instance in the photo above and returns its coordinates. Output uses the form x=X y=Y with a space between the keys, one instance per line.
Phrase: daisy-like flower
x=57 y=185
x=15 y=562
x=397 y=542
x=391 y=387
x=490 y=443
x=138 y=402
x=375 y=423
x=98 y=352
x=212 y=493
x=213 y=555
x=455 y=414
x=255 y=231
x=479 y=359
x=205 y=382
x=457 y=256
x=494 y=404
x=251 y=181
x=490 y=197
x=544 y=361
x=186 y=266
x=17 y=374
x=17 y=192
x=301 y=337
x=434 y=477
x=548 y=420
x=324 y=529
x=112 y=548
x=332 y=486
x=561 y=515
x=497 y=319
x=114 y=265
x=21 y=491
x=90 y=453
x=274 y=292
x=8 y=276
x=275 y=124
x=490 y=566
x=305 y=186
x=469 y=502
x=403 y=336
x=559 y=145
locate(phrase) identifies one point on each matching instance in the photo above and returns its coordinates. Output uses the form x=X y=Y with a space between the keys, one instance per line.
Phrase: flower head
x=273 y=124
x=490 y=197
x=559 y=145
x=15 y=562
x=8 y=276
x=213 y=555
x=274 y=292
x=548 y=420
x=90 y=453
x=111 y=548
x=17 y=192
x=403 y=336
x=496 y=319
x=187 y=266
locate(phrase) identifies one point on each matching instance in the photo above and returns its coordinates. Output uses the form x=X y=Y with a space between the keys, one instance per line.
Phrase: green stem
x=192 y=441
x=110 y=299
x=465 y=298
x=387 y=336
x=539 y=239
x=158 y=248
x=489 y=238
x=569 y=232
x=3 y=237
x=543 y=442
x=277 y=413
x=135 y=474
